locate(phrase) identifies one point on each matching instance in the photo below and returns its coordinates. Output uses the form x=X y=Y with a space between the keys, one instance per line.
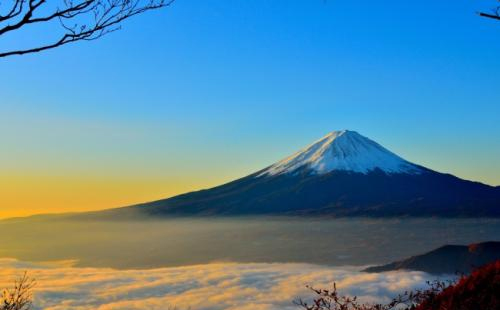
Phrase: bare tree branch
x=495 y=14
x=85 y=20
x=330 y=299
x=20 y=296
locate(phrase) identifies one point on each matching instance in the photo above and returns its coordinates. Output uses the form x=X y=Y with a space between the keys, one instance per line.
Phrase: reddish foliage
x=480 y=290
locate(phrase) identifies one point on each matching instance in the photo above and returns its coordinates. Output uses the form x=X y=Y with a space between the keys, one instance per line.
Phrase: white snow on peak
x=343 y=150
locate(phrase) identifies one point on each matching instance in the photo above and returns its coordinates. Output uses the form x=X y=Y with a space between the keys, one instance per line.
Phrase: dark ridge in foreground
x=448 y=259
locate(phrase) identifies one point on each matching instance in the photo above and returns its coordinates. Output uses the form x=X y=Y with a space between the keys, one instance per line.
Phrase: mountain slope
x=342 y=174
x=447 y=259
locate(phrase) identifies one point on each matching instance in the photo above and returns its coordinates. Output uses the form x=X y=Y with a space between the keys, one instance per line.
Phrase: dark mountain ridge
x=448 y=259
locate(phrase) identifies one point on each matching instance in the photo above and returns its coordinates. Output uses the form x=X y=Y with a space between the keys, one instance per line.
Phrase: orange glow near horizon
x=25 y=193
x=29 y=195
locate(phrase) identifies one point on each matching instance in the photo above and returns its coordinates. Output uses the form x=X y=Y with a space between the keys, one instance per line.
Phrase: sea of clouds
x=216 y=286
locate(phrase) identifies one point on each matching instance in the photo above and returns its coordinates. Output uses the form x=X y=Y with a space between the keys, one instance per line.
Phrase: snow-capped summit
x=343 y=150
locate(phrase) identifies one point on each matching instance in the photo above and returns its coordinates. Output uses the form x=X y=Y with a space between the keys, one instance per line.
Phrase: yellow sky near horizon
x=30 y=193
x=94 y=165
x=24 y=195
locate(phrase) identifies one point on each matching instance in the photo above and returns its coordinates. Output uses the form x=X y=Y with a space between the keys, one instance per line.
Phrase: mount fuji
x=342 y=174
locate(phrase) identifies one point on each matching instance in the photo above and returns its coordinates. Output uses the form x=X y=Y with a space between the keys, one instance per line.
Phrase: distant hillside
x=447 y=259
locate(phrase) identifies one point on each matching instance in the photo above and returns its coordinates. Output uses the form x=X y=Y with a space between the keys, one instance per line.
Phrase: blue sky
x=207 y=91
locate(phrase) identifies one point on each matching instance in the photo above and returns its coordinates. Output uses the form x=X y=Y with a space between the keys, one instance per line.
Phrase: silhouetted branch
x=495 y=14
x=83 y=20
x=330 y=299
x=20 y=296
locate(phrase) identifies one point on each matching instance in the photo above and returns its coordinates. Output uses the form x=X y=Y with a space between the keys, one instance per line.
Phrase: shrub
x=20 y=296
x=478 y=291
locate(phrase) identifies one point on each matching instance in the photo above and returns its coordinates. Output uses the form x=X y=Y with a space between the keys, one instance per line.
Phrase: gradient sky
x=207 y=91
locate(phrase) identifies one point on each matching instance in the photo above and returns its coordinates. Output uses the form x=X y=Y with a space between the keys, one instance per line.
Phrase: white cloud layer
x=217 y=286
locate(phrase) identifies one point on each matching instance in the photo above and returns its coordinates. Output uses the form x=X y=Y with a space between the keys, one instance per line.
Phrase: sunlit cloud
x=217 y=286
